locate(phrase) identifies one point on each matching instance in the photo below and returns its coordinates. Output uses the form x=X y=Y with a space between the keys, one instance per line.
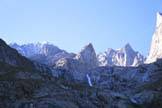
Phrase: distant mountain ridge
x=32 y=49
x=49 y=54
x=45 y=53
x=125 y=56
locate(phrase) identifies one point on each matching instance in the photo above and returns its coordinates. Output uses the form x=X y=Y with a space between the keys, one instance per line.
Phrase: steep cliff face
x=77 y=67
x=125 y=56
x=156 y=45
x=88 y=56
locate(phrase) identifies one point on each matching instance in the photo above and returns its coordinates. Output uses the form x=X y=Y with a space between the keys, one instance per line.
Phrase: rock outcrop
x=87 y=56
x=11 y=56
x=77 y=67
x=156 y=45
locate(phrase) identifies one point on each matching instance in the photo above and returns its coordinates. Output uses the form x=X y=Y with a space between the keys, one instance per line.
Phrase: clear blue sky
x=70 y=24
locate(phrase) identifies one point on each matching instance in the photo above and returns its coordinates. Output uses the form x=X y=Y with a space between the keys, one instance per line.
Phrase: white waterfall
x=89 y=80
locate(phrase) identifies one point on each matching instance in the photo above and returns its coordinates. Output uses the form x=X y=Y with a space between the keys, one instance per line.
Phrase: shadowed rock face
x=88 y=56
x=125 y=56
x=12 y=57
x=156 y=45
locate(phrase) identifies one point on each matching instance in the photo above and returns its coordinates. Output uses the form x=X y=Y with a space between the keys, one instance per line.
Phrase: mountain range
x=49 y=54
x=45 y=76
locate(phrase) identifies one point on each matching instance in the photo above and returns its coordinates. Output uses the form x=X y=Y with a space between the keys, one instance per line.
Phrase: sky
x=71 y=24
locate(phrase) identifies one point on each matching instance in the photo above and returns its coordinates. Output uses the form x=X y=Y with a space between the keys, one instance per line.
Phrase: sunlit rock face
x=156 y=45
x=44 y=53
x=125 y=56
x=77 y=67
x=87 y=56
x=32 y=49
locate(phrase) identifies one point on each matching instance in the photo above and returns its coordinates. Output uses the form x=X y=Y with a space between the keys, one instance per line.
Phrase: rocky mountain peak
x=14 y=45
x=30 y=49
x=2 y=43
x=109 y=50
x=87 y=55
x=158 y=19
x=156 y=45
x=44 y=52
x=128 y=50
x=49 y=49
x=125 y=56
x=127 y=47
x=87 y=47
